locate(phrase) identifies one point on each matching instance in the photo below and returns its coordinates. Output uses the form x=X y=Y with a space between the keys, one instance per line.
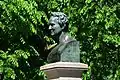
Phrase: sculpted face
x=54 y=26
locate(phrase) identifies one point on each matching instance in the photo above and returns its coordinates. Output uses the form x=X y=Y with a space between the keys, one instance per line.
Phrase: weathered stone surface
x=67 y=78
x=64 y=70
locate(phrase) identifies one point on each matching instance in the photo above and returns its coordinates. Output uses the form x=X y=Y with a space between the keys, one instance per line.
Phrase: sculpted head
x=58 y=22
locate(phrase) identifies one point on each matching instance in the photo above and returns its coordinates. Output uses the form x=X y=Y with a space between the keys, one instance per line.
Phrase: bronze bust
x=67 y=49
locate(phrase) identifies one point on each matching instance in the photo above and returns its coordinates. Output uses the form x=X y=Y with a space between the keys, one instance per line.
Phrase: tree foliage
x=24 y=36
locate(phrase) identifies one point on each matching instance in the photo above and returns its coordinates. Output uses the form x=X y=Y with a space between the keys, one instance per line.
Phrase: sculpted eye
x=52 y=24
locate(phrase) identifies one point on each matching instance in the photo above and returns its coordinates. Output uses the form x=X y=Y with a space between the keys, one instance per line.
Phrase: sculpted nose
x=50 y=27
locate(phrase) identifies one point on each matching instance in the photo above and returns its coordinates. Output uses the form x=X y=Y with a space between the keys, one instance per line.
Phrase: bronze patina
x=67 y=49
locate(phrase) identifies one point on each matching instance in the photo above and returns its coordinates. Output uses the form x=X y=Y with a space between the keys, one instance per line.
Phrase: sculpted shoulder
x=67 y=49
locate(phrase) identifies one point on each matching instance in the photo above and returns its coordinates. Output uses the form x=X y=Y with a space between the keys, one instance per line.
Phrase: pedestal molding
x=64 y=70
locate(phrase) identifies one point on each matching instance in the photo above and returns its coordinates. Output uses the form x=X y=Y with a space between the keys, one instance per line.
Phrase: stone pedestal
x=64 y=70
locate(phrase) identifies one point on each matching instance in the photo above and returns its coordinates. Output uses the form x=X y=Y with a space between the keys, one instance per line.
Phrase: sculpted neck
x=63 y=37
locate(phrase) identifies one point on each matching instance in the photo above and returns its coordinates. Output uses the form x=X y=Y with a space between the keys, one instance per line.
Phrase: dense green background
x=24 y=36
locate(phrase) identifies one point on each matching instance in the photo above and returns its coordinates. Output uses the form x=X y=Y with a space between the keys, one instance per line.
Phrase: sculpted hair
x=62 y=19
